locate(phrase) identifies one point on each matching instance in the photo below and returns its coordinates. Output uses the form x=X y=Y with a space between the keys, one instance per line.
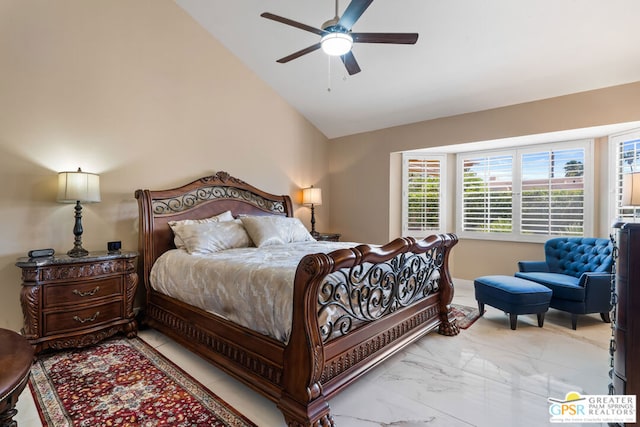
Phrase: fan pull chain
x=328 y=73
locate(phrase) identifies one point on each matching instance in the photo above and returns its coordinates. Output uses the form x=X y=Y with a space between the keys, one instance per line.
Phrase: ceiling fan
x=337 y=38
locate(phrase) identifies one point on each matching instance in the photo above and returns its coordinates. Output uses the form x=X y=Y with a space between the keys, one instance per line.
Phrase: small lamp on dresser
x=312 y=196
x=78 y=187
x=631 y=190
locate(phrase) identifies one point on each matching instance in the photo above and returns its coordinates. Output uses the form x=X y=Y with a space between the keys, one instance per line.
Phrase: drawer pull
x=88 y=293
x=88 y=319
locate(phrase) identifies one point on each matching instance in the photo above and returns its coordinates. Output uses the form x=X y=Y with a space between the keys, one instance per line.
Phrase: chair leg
x=481 y=307
x=540 y=320
x=606 y=317
x=574 y=321
x=513 y=320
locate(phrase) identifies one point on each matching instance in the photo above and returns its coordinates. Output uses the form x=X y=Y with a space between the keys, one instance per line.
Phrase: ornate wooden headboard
x=203 y=198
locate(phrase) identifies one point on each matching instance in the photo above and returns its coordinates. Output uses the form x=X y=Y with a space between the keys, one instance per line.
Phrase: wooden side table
x=16 y=356
x=74 y=302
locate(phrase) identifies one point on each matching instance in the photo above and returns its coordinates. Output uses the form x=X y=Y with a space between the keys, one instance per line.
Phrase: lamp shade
x=631 y=189
x=78 y=186
x=336 y=44
x=312 y=196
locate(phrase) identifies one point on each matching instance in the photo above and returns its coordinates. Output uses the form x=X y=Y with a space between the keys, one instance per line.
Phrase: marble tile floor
x=487 y=376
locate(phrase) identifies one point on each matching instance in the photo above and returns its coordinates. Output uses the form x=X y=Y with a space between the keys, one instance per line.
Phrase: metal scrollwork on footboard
x=366 y=292
x=205 y=194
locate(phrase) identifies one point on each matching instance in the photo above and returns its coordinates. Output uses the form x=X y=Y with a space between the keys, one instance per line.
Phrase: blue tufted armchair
x=578 y=271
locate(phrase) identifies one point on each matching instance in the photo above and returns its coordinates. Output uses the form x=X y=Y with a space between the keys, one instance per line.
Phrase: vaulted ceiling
x=471 y=55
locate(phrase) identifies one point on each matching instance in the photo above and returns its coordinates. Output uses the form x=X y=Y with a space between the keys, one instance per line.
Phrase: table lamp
x=631 y=189
x=312 y=196
x=78 y=187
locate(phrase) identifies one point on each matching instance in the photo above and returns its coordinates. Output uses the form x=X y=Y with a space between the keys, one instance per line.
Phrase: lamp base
x=78 y=252
x=313 y=223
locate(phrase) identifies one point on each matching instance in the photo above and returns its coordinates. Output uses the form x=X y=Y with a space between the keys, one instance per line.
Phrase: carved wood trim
x=29 y=274
x=190 y=200
x=82 y=340
x=30 y=301
x=131 y=264
x=236 y=354
x=324 y=421
x=355 y=355
x=62 y=272
x=449 y=328
x=131 y=281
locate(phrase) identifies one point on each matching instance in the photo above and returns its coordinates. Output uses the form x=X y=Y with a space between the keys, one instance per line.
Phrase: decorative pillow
x=210 y=237
x=224 y=216
x=275 y=230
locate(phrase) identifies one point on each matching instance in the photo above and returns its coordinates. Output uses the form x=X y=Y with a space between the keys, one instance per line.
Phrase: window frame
x=517 y=153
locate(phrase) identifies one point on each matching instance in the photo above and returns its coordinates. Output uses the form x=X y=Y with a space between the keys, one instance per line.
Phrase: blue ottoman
x=512 y=295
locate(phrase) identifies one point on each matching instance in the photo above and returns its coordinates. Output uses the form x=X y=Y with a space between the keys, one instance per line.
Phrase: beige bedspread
x=252 y=287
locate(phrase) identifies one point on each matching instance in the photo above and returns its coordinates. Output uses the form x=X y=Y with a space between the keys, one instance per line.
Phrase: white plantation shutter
x=552 y=200
x=526 y=193
x=422 y=194
x=487 y=188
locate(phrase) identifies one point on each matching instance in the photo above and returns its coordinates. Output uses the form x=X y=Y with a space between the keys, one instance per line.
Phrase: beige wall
x=139 y=93
x=365 y=168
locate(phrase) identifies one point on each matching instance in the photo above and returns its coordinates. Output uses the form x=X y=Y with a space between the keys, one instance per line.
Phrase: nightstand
x=75 y=302
x=326 y=237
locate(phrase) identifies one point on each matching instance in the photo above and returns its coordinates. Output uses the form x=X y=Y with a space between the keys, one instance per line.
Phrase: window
x=528 y=193
x=626 y=154
x=552 y=200
x=487 y=185
x=422 y=190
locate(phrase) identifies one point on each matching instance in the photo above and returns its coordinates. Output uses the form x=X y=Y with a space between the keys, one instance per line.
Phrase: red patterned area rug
x=123 y=382
x=465 y=316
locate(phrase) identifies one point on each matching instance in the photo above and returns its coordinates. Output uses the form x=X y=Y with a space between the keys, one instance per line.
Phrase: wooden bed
x=414 y=290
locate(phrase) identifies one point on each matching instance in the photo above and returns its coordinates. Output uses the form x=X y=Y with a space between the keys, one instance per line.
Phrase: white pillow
x=210 y=237
x=275 y=230
x=224 y=216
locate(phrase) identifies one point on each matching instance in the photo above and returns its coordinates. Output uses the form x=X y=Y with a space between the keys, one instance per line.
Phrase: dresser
x=625 y=375
x=74 y=302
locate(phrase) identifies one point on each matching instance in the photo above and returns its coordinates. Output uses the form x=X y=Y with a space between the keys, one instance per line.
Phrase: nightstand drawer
x=80 y=292
x=59 y=321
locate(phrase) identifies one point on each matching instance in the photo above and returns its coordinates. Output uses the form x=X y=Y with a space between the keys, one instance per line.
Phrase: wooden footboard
x=381 y=299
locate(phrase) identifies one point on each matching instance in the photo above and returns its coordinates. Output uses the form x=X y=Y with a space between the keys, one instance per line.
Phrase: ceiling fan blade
x=350 y=63
x=296 y=24
x=353 y=12
x=394 y=38
x=299 y=53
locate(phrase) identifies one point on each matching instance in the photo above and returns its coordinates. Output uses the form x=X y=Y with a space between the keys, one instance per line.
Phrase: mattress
x=252 y=287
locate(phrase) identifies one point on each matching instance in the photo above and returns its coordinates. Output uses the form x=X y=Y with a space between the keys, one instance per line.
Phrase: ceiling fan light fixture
x=336 y=44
